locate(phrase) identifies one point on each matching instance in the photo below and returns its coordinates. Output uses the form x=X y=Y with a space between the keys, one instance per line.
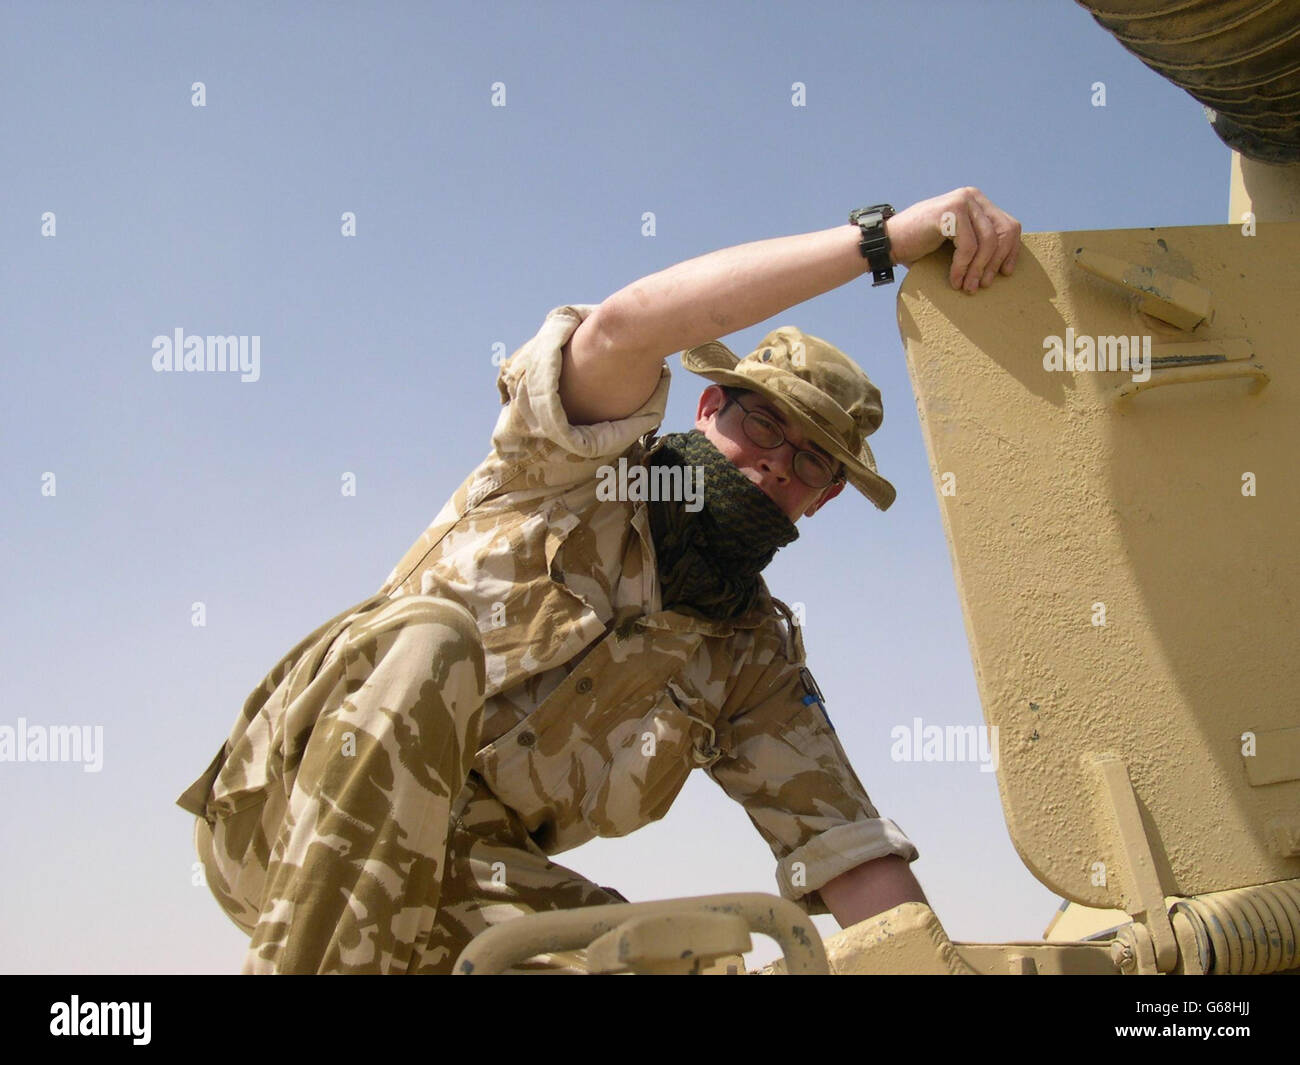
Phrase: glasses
x=810 y=467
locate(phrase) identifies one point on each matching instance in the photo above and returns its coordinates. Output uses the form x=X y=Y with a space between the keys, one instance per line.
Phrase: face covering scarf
x=709 y=560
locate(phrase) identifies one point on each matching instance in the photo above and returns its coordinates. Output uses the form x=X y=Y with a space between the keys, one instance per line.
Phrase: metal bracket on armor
x=1156 y=946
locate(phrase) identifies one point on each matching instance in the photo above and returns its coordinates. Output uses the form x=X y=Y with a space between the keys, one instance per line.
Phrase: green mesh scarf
x=709 y=560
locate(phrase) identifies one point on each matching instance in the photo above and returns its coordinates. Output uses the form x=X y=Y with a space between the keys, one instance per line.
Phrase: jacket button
x=526 y=739
x=584 y=686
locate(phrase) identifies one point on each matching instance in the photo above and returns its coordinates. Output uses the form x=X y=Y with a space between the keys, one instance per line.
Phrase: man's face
x=771 y=470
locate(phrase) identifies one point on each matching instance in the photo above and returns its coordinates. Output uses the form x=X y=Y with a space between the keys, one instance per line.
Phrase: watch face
x=872 y=216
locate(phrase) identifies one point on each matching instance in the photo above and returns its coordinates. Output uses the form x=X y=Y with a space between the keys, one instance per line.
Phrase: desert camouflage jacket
x=599 y=703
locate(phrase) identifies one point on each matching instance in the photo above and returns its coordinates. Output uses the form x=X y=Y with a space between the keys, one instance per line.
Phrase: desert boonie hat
x=824 y=390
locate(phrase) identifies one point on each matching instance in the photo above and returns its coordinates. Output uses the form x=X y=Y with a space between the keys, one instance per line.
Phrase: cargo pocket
x=650 y=758
x=540 y=621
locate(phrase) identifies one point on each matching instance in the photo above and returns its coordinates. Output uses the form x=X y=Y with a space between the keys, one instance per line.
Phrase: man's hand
x=987 y=239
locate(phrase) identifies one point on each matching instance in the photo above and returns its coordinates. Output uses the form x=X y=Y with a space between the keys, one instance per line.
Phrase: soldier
x=547 y=663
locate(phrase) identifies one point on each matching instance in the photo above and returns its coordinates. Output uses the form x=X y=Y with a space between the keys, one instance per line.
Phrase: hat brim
x=717 y=362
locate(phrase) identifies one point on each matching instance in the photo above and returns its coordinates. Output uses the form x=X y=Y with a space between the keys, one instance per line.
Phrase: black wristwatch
x=875 y=241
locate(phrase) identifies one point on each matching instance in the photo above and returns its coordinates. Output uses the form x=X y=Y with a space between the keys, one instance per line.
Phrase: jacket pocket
x=650 y=753
x=531 y=619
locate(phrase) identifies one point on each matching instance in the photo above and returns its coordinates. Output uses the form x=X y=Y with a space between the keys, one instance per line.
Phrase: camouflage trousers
x=374 y=848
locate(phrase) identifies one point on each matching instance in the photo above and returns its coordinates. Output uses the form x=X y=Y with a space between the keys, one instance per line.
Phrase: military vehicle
x=1113 y=460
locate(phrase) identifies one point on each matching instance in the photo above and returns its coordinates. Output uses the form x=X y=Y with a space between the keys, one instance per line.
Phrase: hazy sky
x=376 y=359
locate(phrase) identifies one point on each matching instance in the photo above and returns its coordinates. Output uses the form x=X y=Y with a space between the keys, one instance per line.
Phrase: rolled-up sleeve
x=533 y=422
x=784 y=764
x=536 y=453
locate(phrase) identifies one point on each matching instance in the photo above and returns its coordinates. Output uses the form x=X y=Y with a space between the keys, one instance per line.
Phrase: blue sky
x=472 y=221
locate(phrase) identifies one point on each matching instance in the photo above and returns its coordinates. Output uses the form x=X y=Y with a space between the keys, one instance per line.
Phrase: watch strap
x=874 y=246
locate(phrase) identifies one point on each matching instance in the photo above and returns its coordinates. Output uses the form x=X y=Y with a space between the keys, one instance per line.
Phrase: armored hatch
x=1126 y=550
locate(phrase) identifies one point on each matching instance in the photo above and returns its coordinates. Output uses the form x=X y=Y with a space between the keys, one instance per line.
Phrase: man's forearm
x=613 y=361
x=730 y=289
x=871 y=888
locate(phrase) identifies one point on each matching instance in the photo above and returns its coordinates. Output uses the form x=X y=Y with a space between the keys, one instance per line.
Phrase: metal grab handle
x=503 y=945
x=1183 y=375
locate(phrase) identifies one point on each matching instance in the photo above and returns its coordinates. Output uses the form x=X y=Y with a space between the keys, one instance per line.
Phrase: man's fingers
x=987 y=238
x=1009 y=263
x=965 y=245
x=1008 y=230
x=1006 y=244
x=986 y=241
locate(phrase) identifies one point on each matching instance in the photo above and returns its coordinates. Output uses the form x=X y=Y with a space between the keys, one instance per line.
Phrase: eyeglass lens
x=809 y=467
